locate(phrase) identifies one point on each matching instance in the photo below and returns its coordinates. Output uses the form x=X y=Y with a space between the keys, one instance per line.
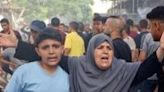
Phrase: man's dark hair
x=55 y=22
x=156 y=13
x=37 y=25
x=80 y=26
x=104 y=19
x=96 y=15
x=48 y=33
x=129 y=22
x=143 y=23
x=74 y=25
x=97 y=18
x=5 y=20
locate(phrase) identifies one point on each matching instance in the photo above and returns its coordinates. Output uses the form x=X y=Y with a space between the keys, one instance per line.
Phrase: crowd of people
x=114 y=55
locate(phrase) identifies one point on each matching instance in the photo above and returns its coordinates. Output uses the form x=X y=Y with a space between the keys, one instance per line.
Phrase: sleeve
x=26 y=51
x=147 y=69
x=15 y=84
x=145 y=43
x=69 y=63
x=67 y=43
x=83 y=47
x=64 y=63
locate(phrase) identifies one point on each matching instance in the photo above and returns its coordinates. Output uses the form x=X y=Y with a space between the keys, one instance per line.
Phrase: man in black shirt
x=114 y=26
x=156 y=18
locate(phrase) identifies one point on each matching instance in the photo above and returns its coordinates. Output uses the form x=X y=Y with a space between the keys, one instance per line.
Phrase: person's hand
x=8 y=40
x=13 y=65
x=162 y=42
x=160 y=50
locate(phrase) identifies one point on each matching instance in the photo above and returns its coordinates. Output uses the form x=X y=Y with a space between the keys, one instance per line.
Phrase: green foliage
x=68 y=10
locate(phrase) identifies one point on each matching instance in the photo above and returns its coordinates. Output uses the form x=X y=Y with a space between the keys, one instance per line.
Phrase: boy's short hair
x=48 y=33
x=55 y=22
x=143 y=23
x=4 y=20
x=98 y=18
x=37 y=25
x=74 y=25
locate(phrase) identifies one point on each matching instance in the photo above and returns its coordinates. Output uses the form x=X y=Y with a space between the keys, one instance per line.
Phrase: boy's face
x=5 y=26
x=50 y=52
x=97 y=26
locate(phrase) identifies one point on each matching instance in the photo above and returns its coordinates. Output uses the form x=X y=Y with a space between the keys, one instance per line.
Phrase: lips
x=52 y=58
x=104 y=58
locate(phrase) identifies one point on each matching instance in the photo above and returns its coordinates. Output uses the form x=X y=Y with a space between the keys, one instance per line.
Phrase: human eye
x=45 y=47
x=100 y=47
x=56 y=46
x=109 y=48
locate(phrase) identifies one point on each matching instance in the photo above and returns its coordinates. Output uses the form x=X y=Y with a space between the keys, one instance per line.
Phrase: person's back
x=143 y=24
x=87 y=37
x=76 y=43
x=114 y=26
x=138 y=38
x=121 y=49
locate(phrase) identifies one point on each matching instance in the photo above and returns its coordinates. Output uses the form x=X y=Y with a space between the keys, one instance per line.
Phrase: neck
x=115 y=35
x=143 y=30
x=125 y=35
x=48 y=69
x=73 y=30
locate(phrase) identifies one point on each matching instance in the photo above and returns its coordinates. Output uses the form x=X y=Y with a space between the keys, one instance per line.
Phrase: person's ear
x=162 y=26
x=157 y=25
x=62 y=49
x=37 y=51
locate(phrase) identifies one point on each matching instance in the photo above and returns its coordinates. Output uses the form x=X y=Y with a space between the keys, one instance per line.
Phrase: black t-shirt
x=122 y=50
x=160 y=76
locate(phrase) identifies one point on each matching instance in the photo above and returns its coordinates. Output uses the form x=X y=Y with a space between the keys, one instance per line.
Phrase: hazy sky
x=101 y=7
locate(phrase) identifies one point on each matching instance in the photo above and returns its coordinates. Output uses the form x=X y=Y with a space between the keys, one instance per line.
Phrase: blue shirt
x=32 y=77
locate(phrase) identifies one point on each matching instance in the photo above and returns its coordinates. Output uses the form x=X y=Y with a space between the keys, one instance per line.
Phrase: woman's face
x=103 y=55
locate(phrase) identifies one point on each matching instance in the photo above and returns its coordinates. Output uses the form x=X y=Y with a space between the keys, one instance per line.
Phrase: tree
x=67 y=10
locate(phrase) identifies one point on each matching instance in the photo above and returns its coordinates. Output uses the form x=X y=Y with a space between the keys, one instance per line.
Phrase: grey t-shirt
x=148 y=45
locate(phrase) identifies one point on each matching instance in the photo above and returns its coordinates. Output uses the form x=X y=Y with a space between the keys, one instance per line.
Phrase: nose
x=105 y=50
x=51 y=50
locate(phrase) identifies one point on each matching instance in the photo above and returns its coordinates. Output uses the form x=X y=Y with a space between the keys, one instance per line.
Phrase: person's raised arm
x=160 y=50
x=26 y=51
x=8 y=40
x=151 y=65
